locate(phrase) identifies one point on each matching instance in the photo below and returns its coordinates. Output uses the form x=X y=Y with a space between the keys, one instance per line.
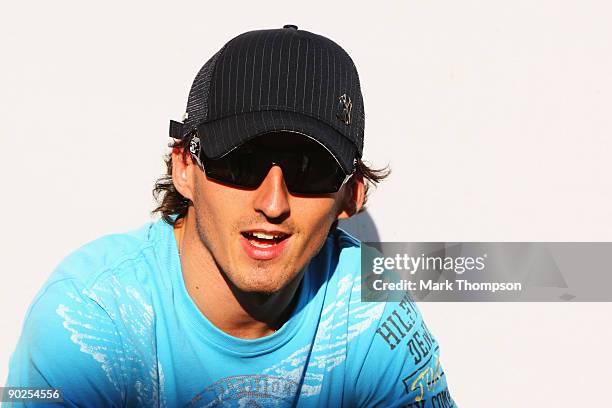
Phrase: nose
x=272 y=196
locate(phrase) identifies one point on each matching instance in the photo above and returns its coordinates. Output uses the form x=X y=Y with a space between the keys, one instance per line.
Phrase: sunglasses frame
x=196 y=152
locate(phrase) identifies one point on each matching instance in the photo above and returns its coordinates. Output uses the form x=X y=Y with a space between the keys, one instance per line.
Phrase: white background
x=495 y=117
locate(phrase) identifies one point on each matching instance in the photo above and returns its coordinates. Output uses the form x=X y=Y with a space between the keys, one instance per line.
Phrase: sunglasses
x=308 y=167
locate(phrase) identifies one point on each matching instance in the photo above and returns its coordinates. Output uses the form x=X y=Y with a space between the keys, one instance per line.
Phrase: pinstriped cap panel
x=282 y=79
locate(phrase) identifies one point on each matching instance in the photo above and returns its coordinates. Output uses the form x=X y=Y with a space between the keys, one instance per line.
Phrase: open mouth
x=263 y=240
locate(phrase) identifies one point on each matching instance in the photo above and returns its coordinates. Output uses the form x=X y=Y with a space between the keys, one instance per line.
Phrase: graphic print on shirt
x=247 y=391
x=424 y=379
x=278 y=385
x=96 y=335
x=400 y=328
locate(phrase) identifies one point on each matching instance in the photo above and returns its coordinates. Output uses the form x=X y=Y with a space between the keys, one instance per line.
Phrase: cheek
x=315 y=219
x=214 y=212
x=212 y=199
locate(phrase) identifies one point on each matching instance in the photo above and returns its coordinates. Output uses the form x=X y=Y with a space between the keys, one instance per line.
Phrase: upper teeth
x=263 y=235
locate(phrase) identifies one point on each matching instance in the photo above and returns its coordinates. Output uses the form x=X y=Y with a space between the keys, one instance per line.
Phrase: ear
x=183 y=169
x=353 y=196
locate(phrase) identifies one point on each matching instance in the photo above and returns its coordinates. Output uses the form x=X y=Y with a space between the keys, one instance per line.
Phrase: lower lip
x=263 y=254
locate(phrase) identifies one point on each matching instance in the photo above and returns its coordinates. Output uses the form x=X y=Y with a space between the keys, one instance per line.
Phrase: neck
x=237 y=313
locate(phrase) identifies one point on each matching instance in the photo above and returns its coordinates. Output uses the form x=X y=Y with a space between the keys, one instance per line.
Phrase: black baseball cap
x=277 y=80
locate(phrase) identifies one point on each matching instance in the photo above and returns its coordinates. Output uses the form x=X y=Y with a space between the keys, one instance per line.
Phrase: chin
x=264 y=283
x=259 y=288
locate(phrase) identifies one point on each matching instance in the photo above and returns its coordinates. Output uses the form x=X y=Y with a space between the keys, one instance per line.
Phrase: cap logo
x=194 y=148
x=343 y=110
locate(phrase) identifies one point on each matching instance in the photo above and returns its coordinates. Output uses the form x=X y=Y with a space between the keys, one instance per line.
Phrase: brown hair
x=171 y=203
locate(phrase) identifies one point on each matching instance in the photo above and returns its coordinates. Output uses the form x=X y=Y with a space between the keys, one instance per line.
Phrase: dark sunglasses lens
x=309 y=169
x=313 y=172
x=240 y=168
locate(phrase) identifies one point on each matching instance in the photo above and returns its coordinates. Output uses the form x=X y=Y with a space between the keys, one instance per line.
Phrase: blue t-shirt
x=115 y=326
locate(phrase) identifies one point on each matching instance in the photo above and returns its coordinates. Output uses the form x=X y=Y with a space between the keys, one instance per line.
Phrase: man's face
x=262 y=238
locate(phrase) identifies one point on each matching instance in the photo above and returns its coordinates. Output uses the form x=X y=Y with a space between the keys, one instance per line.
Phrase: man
x=245 y=293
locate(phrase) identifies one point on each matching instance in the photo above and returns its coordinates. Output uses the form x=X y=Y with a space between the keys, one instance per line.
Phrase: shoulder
x=359 y=319
x=93 y=311
x=112 y=270
x=85 y=320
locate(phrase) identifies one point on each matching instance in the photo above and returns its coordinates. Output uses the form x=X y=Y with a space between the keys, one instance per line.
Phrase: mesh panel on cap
x=197 y=103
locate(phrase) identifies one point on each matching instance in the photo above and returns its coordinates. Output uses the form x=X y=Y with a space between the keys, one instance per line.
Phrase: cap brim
x=221 y=136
